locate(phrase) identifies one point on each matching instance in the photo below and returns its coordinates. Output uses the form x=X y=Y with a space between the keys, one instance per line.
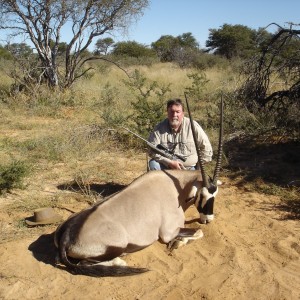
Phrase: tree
x=132 y=49
x=233 y=41
x=4 y=53
x=42 y=22
x=165 y=46
x=187 y=40
x=102 y=46
x=170 y=48
x=19 y=50
x=62 y=48
x=272 y=79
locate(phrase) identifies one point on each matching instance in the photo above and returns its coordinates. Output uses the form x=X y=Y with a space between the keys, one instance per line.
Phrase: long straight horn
x=220 y=146
x=200 y=159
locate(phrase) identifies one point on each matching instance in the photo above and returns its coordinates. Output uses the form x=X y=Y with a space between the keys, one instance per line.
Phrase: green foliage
x=234 y=41
x=129 y=61
x=199 y=82
x=169 y=48
x=19 y=50
x=188 y=40
x=147 y=114
x=164 y=47
x=132 y=49
x=206 y=111
x=4 y=53
x=61 y=47
x=102 y=46
x=12 y=175
x=206 y=61
x=109 y=107
x=150 y=104
x=184 y=50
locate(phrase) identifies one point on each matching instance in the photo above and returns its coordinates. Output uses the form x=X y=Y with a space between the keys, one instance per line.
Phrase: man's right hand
x=176 y=165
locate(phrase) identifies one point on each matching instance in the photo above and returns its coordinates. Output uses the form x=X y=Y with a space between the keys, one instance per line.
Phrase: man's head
x=175 y=111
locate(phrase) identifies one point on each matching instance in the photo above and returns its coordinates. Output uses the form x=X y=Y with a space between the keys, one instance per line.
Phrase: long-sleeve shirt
x=181 y=142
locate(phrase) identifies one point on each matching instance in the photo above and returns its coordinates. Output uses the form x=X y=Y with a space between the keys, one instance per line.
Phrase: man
x=175 y=134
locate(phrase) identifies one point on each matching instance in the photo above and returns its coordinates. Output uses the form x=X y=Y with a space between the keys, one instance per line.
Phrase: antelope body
x=150 y=208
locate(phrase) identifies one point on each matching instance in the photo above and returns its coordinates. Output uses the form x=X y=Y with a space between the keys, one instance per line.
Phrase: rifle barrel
x=162 y=151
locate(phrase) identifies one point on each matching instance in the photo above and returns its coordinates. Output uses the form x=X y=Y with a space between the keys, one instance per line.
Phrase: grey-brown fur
x=150 y=208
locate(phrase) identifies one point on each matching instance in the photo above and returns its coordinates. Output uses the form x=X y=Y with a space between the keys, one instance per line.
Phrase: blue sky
x=175 y=17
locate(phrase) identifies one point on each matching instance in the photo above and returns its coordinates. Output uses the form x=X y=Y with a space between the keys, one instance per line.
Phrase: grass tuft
x=12 y=176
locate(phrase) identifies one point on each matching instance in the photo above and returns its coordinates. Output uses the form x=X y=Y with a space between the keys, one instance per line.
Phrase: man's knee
x=154 y=165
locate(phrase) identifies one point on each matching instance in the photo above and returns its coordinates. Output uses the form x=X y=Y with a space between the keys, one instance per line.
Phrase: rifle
x=159 y=149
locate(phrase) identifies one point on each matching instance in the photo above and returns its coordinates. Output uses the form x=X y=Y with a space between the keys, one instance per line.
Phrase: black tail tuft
x=105 y=271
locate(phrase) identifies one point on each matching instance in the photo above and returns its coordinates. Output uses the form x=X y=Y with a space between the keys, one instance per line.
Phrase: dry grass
x=91 y=90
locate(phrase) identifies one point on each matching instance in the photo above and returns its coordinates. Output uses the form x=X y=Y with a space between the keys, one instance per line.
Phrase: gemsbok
x=151 y=208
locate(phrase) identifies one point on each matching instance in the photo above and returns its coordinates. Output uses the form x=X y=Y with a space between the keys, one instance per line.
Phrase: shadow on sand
x=105 y=190
x=43 y=249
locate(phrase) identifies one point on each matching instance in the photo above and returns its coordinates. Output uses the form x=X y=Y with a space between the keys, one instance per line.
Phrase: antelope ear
x=193 y=192
x=195 y=188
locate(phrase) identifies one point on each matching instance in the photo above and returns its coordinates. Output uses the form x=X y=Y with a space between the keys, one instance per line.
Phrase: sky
x=175 y=17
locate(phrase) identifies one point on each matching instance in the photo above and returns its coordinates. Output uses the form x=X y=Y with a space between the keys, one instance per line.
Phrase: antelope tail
x=94 y=270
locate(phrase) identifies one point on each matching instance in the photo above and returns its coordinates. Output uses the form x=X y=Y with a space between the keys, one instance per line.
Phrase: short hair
x=176 y=101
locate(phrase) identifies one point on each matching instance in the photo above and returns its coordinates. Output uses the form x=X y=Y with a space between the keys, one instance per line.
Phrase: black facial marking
x=212 y=188
x=208 y=208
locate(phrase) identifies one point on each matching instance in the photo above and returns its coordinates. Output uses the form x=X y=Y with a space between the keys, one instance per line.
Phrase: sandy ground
x=250 y=251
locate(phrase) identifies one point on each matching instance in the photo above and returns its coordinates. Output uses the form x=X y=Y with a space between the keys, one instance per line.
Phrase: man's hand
x=176 y=165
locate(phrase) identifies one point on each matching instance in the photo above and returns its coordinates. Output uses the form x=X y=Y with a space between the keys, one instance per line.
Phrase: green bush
x=110 y=107
x=12 y=175
x=150 y=103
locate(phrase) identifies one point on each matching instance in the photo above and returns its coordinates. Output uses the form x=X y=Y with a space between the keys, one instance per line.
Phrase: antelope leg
x=184 y=236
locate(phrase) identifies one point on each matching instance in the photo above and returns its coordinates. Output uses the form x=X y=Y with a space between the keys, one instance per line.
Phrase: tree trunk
x=50 y=68
x=52 y=77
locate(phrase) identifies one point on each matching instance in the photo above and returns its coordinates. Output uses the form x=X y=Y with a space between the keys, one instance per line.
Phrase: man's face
x=175 y=116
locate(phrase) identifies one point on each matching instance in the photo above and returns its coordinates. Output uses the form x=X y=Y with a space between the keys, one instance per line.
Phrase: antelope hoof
x=204 y=219
x=114 y=262
x=181 y=241
x=198 y=234
x=117 y=261
x=176 y=243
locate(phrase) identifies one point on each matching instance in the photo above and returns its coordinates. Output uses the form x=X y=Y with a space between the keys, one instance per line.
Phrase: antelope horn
x=220 y=146
x=200 y=159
